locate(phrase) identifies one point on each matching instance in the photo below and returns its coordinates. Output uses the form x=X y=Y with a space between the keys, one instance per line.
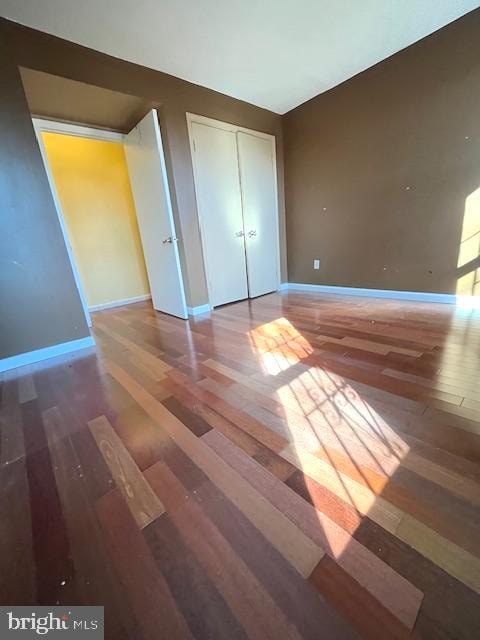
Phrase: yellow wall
x=92 y=181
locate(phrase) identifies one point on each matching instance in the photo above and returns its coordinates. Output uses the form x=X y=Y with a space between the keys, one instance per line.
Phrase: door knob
x=169 y=240
x=239 y=234
x=252 y=233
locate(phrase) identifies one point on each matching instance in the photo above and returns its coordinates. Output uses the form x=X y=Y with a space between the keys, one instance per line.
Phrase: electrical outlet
x=316 y=264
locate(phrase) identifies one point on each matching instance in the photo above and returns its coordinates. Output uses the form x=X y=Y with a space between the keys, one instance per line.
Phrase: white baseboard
x=468 y=302
x=192 y=311
x=44 y=354
x=196 y=311
x=119 y=303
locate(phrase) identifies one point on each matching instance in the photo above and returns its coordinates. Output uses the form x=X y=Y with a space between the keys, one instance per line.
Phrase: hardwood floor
x=299 y=466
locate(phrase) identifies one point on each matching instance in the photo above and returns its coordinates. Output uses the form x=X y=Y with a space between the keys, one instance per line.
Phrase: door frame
x=41 y=125
x=226 y=126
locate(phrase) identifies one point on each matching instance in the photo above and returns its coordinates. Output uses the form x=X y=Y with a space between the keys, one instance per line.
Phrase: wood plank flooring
x=297 y=466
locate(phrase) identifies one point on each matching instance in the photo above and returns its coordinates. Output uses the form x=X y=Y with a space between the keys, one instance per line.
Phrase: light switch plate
x=316 y=264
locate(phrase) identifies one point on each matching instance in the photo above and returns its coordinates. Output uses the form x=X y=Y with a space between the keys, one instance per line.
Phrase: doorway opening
x=92 y=182
x=112 y=196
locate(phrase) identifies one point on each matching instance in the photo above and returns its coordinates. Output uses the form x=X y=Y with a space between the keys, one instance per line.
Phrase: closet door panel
x=259 y=196
x=220 y=209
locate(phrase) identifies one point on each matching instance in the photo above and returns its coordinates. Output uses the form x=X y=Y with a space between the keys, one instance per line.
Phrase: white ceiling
x=272 y=53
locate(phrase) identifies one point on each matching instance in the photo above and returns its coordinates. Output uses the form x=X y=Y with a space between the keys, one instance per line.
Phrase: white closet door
x=148 y=178
x=259 y=196
x=220 y=208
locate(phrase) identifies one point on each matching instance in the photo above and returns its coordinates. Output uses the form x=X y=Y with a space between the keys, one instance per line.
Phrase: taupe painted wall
x=39 y=302
x=58 y=98
x=391 y=155
x=35 y=50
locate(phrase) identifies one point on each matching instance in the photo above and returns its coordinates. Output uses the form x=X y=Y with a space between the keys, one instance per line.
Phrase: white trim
x=191 y=118
x=469 y=302
x=38 y=128
x=80 y=131
x=46 y=353
x=196 y=311
x=227 y=126
x=119 y=303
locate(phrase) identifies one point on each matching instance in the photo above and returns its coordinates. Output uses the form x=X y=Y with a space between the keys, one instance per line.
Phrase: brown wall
x=391 y=154
x=66 y=100
x=42 y=52
x=39 y=302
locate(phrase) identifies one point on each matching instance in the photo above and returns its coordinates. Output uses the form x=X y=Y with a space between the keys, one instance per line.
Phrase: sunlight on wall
x=468 y=284
x=93 y=186
x=336 y=437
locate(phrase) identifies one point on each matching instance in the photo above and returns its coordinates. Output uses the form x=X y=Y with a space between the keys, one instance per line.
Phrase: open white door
x=148 y=177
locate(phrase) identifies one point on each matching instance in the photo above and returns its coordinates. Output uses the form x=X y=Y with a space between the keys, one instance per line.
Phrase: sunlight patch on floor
x=337 y=438
x=278 y=345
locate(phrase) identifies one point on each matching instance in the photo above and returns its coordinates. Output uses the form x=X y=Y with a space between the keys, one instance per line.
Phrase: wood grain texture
x=147 y=590
x=291 y=592
x=355 y=603
x=396 y=594
x=245 y=596
x=17 y=566
x=295 y=466
x=361 y=498
x=450 y=557
x=288 y=539
x=93 y=579
x=202 y=604
x=51 y=544
x=141 y=500
x=26 y=389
